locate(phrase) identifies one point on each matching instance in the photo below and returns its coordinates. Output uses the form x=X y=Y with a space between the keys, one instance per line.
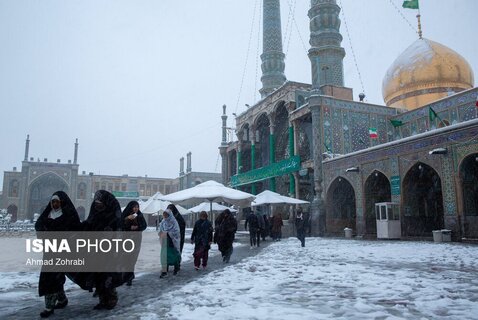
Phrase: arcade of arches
x=422 y=201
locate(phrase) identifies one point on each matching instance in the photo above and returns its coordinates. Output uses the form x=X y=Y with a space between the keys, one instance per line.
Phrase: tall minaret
x=75 y=156
x=326 y=55
x=272 y=56
x=27 y=148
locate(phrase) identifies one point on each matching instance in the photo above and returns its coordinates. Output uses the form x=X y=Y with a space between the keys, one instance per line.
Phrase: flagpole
x=419 y=23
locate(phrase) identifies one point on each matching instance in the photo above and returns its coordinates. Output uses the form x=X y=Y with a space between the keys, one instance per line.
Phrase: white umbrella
x=206 y=206
x=269 y=197
x=210 y=191
x=154 y=205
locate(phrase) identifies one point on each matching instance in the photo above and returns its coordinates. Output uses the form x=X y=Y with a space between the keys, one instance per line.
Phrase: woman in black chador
x=59 y=215
x=105 y=215
x=226 y=227
x=202 y=238
x=133 y=220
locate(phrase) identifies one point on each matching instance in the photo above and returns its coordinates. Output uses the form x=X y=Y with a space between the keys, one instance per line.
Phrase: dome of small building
x=425 y=72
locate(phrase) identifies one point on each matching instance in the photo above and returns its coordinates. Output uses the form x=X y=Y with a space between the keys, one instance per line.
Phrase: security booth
x=388 y=220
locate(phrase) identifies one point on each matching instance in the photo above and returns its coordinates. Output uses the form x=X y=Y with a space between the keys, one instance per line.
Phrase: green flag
x=432 y=114
x=396 y=123
x=410 y=4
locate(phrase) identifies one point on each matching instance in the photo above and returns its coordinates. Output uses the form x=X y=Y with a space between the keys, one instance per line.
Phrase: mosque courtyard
x=329 y=278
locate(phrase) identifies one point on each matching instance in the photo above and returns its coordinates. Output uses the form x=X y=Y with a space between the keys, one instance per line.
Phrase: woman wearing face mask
x=59 y=215
x=105 y=215
x=133 y=220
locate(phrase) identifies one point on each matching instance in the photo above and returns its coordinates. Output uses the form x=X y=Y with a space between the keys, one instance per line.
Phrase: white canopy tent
x=270 y=197
x=155 y=206
x=211 y=191
x=206 y=206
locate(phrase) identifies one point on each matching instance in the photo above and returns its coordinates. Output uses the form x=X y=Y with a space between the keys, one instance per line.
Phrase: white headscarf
x=171 y=226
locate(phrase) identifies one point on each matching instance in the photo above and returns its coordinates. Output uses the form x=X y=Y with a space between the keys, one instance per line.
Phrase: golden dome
x=425 y=72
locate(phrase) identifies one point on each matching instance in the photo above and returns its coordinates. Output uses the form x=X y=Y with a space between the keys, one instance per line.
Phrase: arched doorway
x=422 y=201
x=377 y=189
x=469 y=181
x=13 y=210
x=341 y=211
x=82 y=213
x=41 y=190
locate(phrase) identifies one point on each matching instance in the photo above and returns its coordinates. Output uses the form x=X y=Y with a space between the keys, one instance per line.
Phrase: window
x=13 y=189
x=81 y=192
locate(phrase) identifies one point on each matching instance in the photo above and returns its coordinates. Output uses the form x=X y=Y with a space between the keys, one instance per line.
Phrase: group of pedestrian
x=105 y=215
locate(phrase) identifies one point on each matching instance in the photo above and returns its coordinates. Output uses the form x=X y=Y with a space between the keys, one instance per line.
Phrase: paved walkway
x=146 y=287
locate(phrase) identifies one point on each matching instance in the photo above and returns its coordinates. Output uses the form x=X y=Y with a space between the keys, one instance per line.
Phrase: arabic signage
x=276 y=169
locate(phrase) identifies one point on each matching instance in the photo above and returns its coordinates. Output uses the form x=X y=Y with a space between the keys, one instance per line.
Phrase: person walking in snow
x=59 y=215
x=182 y=227
x=256 y=225
x=170 y=238
x=277 y=223
x=226 y=227
x=267 y=227
x=202 y=239
x=104 y=216
x=300 y=226
x=133 y=220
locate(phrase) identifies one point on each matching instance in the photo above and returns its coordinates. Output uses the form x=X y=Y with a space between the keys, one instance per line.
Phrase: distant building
x=191 y=178
x=27 y=191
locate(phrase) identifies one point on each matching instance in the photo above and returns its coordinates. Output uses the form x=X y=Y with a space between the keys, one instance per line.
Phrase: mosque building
x=314 y=142
x=27 y=191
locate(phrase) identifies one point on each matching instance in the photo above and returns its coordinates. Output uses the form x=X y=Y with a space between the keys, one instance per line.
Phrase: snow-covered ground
x=340 y=279
x=328 y=279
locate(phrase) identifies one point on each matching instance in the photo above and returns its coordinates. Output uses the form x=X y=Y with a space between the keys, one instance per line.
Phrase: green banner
x=277 y=169
x=395 y=185
x=125 y=194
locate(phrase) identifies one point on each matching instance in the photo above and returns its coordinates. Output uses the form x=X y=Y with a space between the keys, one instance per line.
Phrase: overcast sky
x=141 y=83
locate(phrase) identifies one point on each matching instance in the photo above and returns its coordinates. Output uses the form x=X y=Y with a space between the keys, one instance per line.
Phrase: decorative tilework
x=448 y=188
x=337 y=130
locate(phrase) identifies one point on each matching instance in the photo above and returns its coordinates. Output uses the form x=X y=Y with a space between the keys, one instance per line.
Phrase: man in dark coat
x=105 y=215
x=256 y=226
x=300 y=225
x=226 y=227
x=133 y=220
x=202 y=239
x=59 y=215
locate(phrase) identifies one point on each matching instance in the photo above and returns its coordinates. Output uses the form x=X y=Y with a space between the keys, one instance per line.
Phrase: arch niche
x=340 y=207
x=41 y=190
x=13 y=210
x=422 y=201
x=376 y=189
x=469 y=187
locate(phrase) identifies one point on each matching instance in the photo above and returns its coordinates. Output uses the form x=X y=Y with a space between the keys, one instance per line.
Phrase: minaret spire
x=326 y=55
x=272 y=56
x=75 y=156
x=27 y=148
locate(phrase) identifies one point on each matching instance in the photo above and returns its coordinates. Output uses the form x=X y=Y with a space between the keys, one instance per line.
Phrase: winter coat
x=202 y=234
x=277 y=223
x=226 y=227
x=255 y=221
x=52 y=282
